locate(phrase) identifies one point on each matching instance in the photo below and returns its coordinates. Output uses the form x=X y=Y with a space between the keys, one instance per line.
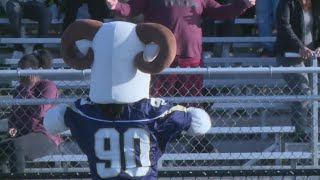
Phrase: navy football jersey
x=129 y=147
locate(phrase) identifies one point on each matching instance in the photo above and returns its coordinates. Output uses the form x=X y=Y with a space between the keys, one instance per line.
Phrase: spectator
x=30 y=138
x=247 y=29
x=298 y=26
x=226 y=28
x=56 y=10
x=136 y=19
x=97 y=10
x=183 y=18
x=36 y=10
x=265 y=12
x=6 y=152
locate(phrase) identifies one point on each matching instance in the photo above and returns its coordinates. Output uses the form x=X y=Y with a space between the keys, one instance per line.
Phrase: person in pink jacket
x=30 y=139
x=183 y=18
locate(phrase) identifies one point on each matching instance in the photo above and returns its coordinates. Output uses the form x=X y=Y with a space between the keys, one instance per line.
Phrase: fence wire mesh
x=249 y=133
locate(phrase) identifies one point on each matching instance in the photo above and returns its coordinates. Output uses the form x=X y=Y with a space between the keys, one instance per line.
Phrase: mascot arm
x=53 y=121
x=201 y=121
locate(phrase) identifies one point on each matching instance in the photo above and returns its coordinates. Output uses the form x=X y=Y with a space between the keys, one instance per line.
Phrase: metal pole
x=315 y=110
x=206 y=71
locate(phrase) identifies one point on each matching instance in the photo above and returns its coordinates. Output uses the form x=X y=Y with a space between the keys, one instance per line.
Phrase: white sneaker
x=17 y=54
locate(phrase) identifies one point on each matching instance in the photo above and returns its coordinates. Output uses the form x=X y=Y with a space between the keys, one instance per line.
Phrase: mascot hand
x=53 y=121
x=201 y=121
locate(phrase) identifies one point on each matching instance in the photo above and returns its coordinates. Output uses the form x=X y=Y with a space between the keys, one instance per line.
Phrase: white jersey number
x=113 y=154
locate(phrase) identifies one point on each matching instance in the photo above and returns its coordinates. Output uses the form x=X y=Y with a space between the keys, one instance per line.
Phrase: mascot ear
x=160 y=50
x=79 y=30
x=83 y=46
x=151 y=51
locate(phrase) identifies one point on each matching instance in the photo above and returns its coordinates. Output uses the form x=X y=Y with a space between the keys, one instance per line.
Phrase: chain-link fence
x=264 y=118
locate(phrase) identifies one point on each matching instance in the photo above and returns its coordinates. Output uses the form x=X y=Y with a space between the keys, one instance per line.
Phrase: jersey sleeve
x=172 y=124
x=77 y=127
x=76 y=110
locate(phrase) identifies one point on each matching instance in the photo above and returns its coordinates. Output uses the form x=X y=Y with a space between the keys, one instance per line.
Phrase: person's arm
x=12 y=130
x=21 y=92
x=129 y=9
x=317 y=51
x=228 y=11
x=317 y=43
x=194 y=121
x=284 y=28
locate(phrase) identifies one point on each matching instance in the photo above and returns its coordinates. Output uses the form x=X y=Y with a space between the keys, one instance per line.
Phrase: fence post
x=315 y=110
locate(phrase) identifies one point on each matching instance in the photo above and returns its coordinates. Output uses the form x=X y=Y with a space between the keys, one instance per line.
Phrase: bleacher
x=260 y=129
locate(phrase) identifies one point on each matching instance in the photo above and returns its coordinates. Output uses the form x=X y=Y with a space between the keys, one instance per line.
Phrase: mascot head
x=121 y=56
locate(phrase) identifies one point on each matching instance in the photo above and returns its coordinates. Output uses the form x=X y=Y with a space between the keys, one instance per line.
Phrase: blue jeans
x=31 y=10
x=298 y=84
x=266 y=12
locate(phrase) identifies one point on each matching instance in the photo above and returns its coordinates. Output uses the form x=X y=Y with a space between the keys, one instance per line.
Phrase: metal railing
x=250 y=108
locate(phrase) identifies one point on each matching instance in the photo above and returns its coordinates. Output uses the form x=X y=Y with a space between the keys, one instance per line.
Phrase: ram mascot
x=119 y=127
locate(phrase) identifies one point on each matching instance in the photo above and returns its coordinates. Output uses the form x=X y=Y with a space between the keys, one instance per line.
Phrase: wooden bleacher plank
x=57 y=170
x=28 y=21
x=254 y=82
x=9 y=61
x=30 y=40
x=240 y=21
x=59 y=21
x=236 y=130
x=237 y=156
x=12 y=63
x=65 y=157
x=205 y=40
x=251 y=130
x=237 y=39
x=240 y=61
x=64 y=84
x=174 y=168
x=251 y=105
x=235 y=167
x=194 y=156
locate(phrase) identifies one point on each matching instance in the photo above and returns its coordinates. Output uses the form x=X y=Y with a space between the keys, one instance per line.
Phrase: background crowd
x=295 y=23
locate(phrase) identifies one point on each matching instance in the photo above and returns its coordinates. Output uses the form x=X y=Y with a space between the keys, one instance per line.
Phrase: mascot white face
x=114 y=75
x=121 y=55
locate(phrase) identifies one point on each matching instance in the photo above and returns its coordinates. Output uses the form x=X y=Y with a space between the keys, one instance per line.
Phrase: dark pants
x=7 y=156
x=97 y=10
x=32 y=10
x=298 y=84
x=30 y=147
x=25 y=148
